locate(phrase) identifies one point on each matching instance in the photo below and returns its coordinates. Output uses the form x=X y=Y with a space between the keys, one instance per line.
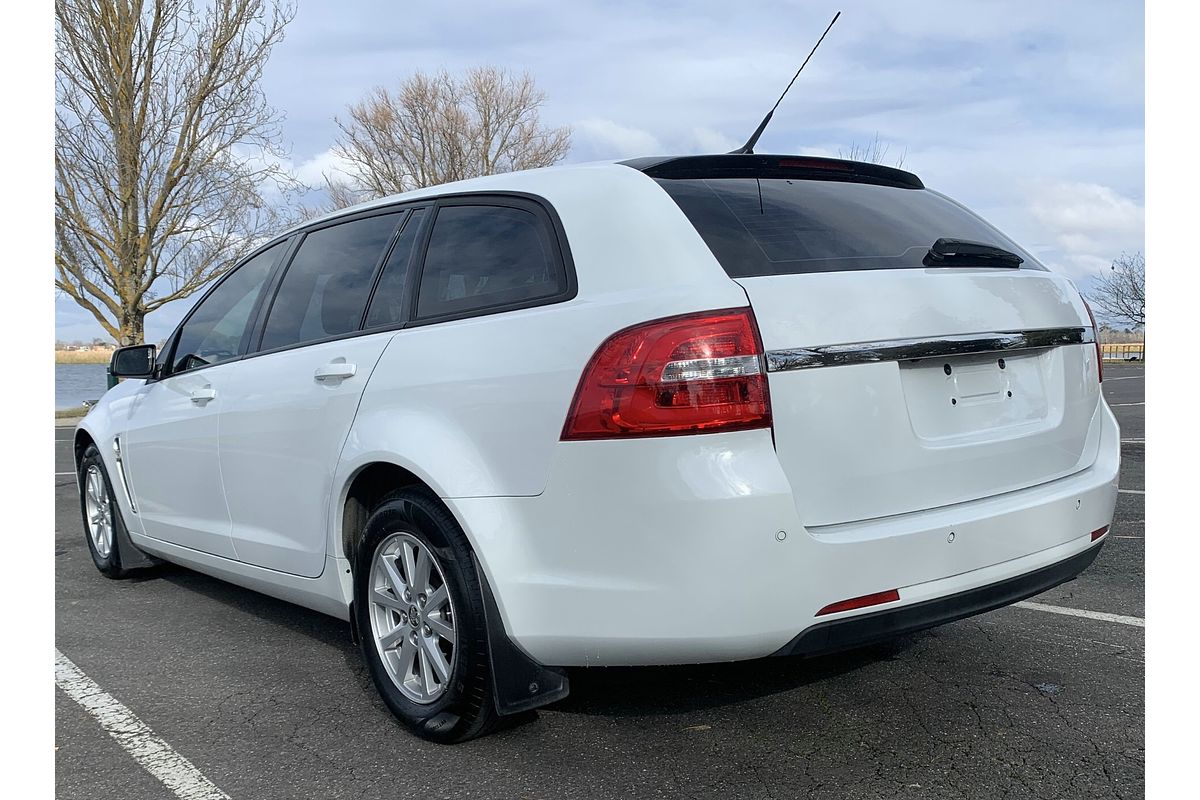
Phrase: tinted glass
x=324 y=291
x=797 y=226
x=213 y=333
x=481 y=257
x=387 y=306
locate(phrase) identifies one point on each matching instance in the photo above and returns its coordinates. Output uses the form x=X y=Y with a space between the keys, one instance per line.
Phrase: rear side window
x=387 y=304
x=324 y=291
x=778 y=226
x=485 y=258
x=213 y=333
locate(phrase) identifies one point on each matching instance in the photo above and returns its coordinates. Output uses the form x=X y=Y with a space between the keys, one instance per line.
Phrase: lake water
x=74 y=383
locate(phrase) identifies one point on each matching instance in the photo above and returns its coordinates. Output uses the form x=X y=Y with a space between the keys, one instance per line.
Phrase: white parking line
x=1132 y=491
x=1137 y=622
x=151 y=752
x=1133 y=441
x=1117 y=405
x=1126 y=378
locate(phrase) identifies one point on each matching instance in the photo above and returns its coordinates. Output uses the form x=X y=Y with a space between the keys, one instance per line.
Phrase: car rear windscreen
x=779 y=226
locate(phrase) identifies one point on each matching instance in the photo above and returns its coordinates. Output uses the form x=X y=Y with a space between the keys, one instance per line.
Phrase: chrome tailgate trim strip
x=838 y=355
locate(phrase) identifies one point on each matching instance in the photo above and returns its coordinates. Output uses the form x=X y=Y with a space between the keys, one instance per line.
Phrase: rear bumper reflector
x=890 y=596
x=1096 y=534
x=864 y=629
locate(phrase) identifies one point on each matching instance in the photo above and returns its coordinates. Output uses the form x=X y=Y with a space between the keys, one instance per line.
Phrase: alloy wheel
x=412 y=617
x=99 y=511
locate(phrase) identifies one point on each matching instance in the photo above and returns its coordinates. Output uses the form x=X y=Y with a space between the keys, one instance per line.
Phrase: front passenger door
x=170 y=445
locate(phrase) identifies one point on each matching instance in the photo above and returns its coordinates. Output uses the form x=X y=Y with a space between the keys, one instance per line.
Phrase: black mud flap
x=519 y=683
x=131 y=557
x=354 y=634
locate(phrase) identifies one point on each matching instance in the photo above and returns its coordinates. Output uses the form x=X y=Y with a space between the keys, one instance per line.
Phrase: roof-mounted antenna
x=748 y=147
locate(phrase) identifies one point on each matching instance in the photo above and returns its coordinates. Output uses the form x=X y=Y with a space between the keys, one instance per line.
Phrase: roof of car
x=754 y=165
x=666 y=167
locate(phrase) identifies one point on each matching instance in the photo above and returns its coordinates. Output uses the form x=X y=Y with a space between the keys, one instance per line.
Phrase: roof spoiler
x=773 y=166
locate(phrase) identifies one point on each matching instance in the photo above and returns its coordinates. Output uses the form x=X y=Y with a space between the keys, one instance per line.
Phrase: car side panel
x=104 y=422
x=170 y=447
x=280 y=435
x=477 y=405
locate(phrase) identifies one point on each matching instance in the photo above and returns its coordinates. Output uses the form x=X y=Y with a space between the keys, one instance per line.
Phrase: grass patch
x=66 y=413
x=82 y=356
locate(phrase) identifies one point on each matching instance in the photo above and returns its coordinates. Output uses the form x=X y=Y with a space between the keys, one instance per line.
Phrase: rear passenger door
x=289 y=406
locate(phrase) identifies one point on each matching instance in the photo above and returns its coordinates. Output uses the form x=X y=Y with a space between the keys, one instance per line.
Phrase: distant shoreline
x=82 y=356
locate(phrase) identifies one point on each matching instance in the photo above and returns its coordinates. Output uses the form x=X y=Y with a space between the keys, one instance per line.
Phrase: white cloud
x=1088 y=209
x=312 y=171
x=1089 y=224
x=603 y=138
x=707 y=140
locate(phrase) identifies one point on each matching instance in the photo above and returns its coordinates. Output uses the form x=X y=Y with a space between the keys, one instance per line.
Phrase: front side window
x=483 y=257
x=213 y=333
x=324 y=291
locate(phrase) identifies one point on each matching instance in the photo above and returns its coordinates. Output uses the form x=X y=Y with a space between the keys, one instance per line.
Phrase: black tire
x=465 y=708
x=110 y=564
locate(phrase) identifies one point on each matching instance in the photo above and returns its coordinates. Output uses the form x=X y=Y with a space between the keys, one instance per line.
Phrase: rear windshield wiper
x=962 y=253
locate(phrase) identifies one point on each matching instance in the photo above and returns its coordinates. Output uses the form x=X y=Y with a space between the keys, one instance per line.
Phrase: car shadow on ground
x=319 y=627
x=651 y=691
x=601 y=691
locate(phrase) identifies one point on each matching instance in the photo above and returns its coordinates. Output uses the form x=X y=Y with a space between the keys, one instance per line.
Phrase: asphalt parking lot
x=269 y=700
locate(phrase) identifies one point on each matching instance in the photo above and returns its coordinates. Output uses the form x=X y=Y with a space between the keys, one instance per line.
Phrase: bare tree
x=165 y=149
x=343 y=194
x=436 y=128
x=873 y=151
x=1120 y=293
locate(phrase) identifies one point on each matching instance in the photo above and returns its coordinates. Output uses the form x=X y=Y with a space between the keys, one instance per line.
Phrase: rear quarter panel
x=475 y=407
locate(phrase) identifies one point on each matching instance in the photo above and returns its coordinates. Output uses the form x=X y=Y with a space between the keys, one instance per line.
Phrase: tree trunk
x=133 y=327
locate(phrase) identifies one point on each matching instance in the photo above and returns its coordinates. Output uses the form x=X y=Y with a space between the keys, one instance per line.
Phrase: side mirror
x=135 y=361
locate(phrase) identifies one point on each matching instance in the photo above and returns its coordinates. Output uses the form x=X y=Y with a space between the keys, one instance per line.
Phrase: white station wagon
x=661 y=411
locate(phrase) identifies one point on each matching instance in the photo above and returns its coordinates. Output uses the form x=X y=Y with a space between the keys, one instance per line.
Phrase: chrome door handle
x=202 y=396
x=335 y=371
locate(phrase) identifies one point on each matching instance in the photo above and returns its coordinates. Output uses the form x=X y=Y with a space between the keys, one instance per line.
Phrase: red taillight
x=1096 y=534
x=1096 y=335
x=890 y=596
x=696 y=373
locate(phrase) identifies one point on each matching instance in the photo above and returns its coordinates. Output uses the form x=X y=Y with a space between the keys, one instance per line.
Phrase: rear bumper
x=831 y=637
x=691 y=549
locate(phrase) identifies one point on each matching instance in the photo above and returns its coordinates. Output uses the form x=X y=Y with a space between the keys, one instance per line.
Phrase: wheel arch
x=519 y=682
x=362 y=491
x=82 y=440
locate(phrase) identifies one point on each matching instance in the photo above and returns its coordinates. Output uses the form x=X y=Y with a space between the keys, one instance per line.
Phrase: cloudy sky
x=1029 y=113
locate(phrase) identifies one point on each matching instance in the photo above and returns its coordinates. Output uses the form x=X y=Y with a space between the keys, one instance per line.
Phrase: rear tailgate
x=896 y=386
x=861 y=438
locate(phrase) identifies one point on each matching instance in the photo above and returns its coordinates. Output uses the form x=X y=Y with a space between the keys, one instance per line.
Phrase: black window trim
x=285 y=252
x=523 y=201
x=294 y=238
x=417 y=249
x=402 y=212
